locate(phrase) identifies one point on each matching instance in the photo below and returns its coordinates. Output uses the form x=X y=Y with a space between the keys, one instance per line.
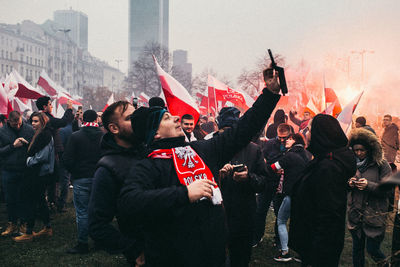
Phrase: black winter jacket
x=55 y=124
x=318 y=207
x=293 y=162
x=83 y=152
x=240 y=197
x=14 y=159
x=177 y=232
x=111 y=171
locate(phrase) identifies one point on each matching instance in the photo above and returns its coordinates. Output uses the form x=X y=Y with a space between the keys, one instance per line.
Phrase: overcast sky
x=229 y=35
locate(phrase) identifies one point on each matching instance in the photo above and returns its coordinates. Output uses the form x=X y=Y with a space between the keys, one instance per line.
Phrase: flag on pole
x=3 y=100
x=345 y=117
x=25 y=90
x=109 y=102
x=143 y=99
x=178 y=99
x=223 y=94
x=330 y=97
x=47 y=84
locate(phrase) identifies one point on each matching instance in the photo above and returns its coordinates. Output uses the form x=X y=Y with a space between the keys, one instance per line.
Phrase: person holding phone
x=14 y=138
x=367 y=204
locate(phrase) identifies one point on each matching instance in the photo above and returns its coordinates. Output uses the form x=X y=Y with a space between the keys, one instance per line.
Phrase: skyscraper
x=77 y=23
x=148 y=22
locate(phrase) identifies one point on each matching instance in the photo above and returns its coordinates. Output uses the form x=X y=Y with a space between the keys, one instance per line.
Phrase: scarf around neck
x=362 y=165
x=189 y=167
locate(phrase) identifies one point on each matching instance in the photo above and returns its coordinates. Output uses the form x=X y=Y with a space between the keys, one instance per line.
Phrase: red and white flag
x=60 y=111
x=48 y=84
x=109 y=102
x=178 y=99
x=143 y=99
x=330 y=97
x=3 y=100
x=345 y=117
x=219 y=94
x=25 y=90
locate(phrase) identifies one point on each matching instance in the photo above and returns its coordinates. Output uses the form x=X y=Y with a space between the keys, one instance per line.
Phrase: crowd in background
x=127 y=163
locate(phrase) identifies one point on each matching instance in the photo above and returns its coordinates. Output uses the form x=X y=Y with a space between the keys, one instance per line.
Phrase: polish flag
x=330 y=97
x=20 y=106
x=178 y=99
x=3 y=100
x=25 y=90
x=63 y=98
x=47 y=84
x=311 y=108
x=144 y=99
x=109 y=102
x=223 y=94
x=345 y=117
x=203 y=103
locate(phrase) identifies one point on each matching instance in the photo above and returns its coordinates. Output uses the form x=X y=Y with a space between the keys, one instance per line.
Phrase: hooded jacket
x=177 y=232
x=318 y=211
x=14 y=158
x=279 y=118
x=367 y=209
x=110 y=174
x=55 y=124
x=390 y=142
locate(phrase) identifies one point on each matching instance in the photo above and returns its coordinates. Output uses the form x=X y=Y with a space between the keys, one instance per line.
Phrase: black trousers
x=396 y=241
x=240 y=250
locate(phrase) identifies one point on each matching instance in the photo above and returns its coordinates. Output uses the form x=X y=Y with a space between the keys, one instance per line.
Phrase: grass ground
x=51 y=251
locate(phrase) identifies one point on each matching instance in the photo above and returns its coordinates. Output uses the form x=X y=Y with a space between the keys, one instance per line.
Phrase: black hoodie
x=317 y=221
x=279 y=118
x=112 y=168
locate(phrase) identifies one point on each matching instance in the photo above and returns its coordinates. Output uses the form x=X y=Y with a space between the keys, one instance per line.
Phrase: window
x=27 y=73
x=2 y=68
x=11 y=57
x=22 y=70
x=35 y=61
x=7 y=68
x=22 y=58
x=27 y=60
x=30 y=60
x=11 y=68
x=2 y=53
x=6 y=54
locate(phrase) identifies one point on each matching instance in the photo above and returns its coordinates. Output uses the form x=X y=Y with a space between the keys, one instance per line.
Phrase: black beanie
x=89 y=116
x=156 y=101
x=227 y=117
x=145 y=122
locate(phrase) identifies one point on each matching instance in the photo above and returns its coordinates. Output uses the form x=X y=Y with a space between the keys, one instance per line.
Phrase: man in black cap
x=80 y=158
x=120 y=150
x=173 y=193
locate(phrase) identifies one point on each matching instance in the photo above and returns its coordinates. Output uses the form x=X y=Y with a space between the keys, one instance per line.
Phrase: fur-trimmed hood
x=367 y=138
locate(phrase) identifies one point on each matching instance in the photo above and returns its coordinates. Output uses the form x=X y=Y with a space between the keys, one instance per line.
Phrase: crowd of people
x=188 y=193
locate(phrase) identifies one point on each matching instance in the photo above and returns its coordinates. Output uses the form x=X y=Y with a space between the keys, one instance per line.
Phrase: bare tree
x=199 y=82
x=143 y=75
x=249 y=80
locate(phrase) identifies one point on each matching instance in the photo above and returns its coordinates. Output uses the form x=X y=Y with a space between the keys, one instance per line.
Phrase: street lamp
x=118 y=61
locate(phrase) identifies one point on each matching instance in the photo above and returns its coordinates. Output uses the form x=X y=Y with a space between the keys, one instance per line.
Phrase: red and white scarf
x=90 y=124
x=189 y=167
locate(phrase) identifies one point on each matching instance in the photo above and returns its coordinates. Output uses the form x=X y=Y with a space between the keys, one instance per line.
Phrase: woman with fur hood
x=367 y=205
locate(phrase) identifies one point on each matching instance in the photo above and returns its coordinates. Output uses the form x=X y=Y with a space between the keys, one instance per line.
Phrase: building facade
x=76 y=23
x=181 y=68
x=148 y=22
x=29 y=48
